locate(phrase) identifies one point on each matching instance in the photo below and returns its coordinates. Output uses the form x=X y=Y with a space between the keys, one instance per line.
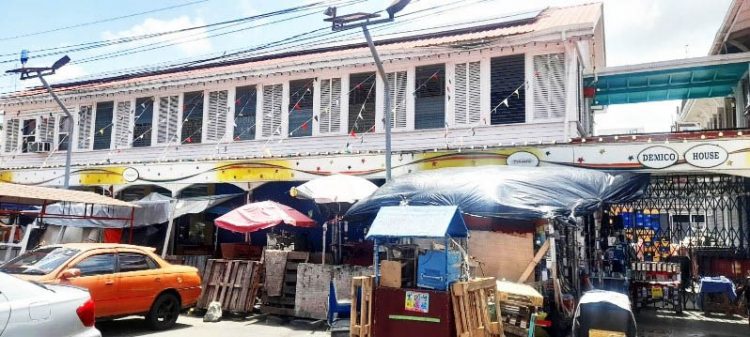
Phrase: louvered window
x=192 y=117
x=168 y=120
x=103 y=125
x=429 y=97
x=28 y=134
x=244 y=112
x=301 y=95
x=144 y=119
x=549 y=86
x=467 y=101
x=397 y=85
x=63 y=133
x=272 y=96
x=508 y=89
x=123 y=117
x=85 y=122
x=216 y=126
x=330 y=107
x=362 y=95
x=47 y=129
x=11 y=135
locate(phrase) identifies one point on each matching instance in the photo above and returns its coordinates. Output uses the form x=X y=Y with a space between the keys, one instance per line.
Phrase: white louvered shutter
x=168 y=119
x=272 y=95
x=397 y=84
x=549 y=86
x=216 y=126
x=467 y=93
x=11 y=135
x=47 y=129
x=85 y=122
x=123 y=120
x=330 y=106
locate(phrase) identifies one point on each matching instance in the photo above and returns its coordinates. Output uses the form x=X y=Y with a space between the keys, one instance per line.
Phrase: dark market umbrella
x=523 y=193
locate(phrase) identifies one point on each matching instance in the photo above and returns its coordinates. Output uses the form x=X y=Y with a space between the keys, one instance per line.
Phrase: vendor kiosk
x=427 y=247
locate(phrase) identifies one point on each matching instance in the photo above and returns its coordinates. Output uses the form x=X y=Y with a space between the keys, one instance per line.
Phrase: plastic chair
x=337 y=309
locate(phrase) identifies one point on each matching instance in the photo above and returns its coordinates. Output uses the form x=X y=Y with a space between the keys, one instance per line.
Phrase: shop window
x=85 y=123
x=467 y=102
x=63 y=135
x=11 y=135
x=362 y=95
x=272 y=97
x=144 y=119
x=168 y=122
x=429 y=97
x=244 y=112
x=301 y=93
x=549 y=86
x=330 y=106
x=192 y=117
x=103 y=125
x=218 y=108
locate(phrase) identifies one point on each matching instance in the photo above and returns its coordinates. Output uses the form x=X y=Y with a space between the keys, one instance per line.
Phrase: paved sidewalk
x=652 y=323
x=192 y=326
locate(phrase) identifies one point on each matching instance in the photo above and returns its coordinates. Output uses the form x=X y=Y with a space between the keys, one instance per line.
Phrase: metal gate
x=704 y=213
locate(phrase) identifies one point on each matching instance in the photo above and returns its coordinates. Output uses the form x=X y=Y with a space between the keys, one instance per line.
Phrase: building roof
x=35 y=195
x=549 y=21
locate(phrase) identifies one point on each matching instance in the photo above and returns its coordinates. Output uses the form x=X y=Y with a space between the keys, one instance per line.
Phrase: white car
x=31 y=309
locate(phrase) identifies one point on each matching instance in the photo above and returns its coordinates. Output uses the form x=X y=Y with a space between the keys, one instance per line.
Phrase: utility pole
x=355 y=20
x=40 y=72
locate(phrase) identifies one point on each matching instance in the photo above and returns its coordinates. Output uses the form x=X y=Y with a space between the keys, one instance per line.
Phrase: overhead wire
x=6 y=38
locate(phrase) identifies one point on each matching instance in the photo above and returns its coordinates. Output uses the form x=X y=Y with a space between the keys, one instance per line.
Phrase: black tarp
x=523 y=193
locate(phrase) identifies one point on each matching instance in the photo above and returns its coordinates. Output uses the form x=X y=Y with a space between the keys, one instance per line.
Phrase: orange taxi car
x=123 y=279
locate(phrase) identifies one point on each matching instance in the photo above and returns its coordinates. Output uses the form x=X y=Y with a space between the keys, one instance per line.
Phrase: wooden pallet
x=471 y=301
x=360 y=322
x=284 y=304
x=233 y=283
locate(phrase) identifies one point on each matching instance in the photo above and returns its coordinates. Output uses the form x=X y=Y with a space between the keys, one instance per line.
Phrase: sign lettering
x=523 y=158
x=658 y=157
x=706 y=155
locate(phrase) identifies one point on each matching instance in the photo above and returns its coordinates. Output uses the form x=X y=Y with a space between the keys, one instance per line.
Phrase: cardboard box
x=390 y=274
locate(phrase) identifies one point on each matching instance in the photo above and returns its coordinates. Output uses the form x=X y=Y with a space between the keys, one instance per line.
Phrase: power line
x=100 y=21
x=105 y=43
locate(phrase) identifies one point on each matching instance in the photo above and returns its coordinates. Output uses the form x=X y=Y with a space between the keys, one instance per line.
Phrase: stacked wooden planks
x=360 y=323
x=284 y=303
x=233 y=283
x=471 y=308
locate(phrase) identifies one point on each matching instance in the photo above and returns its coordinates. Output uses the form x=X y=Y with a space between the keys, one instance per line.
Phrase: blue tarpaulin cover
x=718 y=284
x=523 y=193
x=418 y=221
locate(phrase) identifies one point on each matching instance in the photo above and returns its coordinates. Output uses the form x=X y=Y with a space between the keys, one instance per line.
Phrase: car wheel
x=164 y=312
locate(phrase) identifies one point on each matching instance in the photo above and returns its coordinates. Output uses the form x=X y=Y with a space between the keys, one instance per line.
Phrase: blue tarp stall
x=523 y=193
x=427 y=222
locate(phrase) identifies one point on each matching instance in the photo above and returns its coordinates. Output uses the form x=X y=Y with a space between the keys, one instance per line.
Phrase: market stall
x=419 y=252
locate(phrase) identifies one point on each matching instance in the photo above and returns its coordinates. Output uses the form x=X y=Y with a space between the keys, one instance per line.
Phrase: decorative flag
x=473 y=132
x=434 y=76
x=358 y=87
x=353 y=134
x=291 y=134
x=304 y=126
x=315 y=118
x=101 y=131
x=359 y=116
x=297 y=106
x=189 y=139
x=237 y=138
x=517 y=93
x=237 y=101
x=505 y=102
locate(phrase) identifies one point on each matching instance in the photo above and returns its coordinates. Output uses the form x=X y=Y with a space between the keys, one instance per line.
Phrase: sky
x=637 y=31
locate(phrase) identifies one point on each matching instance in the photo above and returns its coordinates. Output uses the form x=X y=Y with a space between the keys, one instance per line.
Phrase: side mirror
x=70 y=273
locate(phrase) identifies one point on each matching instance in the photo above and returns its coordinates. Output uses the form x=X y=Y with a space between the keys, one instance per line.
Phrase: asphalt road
x=191 y=326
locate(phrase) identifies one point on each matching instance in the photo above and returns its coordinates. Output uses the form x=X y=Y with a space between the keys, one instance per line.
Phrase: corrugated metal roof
x=418 y=221
x=549 y=20
x=35 y=195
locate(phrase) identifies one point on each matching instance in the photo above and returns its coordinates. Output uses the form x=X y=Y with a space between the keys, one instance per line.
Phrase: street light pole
x=387 y=88
x=40 y=72
x=355 y=20
x=69 y=147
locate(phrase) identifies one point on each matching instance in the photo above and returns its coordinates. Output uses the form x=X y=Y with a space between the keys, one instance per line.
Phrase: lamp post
x=40 y=72
x=357 y=20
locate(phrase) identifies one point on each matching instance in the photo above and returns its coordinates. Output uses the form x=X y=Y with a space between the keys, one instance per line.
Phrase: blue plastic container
x=432 y=267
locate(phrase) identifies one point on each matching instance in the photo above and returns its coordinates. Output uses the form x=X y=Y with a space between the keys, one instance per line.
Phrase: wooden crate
x=233 y=283
x=360 y=322
x=471 y=301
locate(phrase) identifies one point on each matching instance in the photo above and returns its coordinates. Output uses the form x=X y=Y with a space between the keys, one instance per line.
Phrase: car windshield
x=39 y=262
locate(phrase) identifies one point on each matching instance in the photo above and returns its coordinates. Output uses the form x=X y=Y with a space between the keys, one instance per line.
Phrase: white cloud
x=192 y=42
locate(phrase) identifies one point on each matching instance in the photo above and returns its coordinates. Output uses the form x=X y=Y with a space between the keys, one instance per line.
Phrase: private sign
x=658 y=157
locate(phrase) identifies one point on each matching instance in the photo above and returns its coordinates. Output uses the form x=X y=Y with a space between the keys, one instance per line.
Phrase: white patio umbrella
x=336 y=188
x=335 y=192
